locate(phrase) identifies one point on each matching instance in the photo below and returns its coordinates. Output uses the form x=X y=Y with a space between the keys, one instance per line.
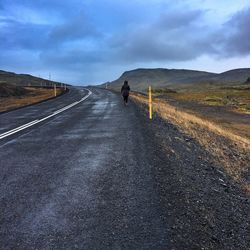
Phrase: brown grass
x=34 y=95
x=234 y=155
x=235 y=98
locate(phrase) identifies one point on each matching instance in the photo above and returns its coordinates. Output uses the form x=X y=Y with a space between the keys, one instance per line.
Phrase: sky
x=94 y=41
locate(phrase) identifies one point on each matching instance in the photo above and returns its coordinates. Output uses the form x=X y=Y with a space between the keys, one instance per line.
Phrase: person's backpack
x=125 y=91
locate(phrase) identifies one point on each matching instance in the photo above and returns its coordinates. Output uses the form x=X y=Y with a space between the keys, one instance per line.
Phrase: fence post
x=150 y=102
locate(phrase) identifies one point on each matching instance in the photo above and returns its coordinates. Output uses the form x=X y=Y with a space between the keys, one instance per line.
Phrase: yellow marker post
x=54 y=89
x=150 y=102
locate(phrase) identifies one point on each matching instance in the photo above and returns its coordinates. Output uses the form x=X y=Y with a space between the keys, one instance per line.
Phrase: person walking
x=125 y=92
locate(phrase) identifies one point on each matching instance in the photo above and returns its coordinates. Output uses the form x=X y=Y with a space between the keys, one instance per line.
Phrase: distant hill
x=139 y=79
x=234 y=76
x=24 y=79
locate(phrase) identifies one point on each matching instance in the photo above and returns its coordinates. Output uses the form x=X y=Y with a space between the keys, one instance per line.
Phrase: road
x=82 y=179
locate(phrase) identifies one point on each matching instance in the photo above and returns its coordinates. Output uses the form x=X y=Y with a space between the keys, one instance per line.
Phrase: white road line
x=32 y=123
x=18 y=129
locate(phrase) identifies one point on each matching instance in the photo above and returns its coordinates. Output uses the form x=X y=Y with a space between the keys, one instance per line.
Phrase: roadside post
x=150 y=102
x=54 y=89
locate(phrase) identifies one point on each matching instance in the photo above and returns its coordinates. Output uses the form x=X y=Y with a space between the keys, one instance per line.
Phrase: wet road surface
x=79 y=180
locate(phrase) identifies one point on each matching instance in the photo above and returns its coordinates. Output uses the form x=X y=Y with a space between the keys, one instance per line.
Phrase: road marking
x=32 y=123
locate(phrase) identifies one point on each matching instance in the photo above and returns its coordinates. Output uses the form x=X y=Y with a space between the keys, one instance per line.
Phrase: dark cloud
x=34 y=36
x=56 y=7
x=173 y=37
x=78 y=27
x=73 y=58
x=179 y=19
x=19 y=35
x=237 y=34
x=183 y=35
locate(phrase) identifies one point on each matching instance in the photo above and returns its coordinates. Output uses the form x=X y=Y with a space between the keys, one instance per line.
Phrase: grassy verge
x=230 y=149
x=31 y=96
x=235 y=98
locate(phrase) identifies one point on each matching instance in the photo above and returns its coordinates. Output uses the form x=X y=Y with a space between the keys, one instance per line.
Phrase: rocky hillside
x=159 y=78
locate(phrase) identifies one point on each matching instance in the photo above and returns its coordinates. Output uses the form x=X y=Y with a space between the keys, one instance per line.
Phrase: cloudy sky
x=93 y=41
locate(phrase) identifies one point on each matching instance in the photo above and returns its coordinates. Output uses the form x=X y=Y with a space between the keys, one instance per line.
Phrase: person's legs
x=125 y=100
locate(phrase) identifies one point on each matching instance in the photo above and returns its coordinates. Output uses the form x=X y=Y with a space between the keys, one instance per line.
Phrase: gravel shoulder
x=205 y=208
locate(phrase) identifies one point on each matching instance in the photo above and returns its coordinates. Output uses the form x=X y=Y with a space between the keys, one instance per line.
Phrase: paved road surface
x=80 y=180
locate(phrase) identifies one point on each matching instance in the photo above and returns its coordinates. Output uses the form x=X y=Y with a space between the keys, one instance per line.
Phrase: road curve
x=79 y=180
x=37 y=121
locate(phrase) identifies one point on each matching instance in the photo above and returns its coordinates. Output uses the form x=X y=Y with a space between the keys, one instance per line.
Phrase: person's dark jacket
x=125 y=90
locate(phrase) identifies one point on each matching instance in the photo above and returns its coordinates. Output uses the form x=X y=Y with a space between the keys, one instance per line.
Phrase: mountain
x=139 y=79
x=23 y=79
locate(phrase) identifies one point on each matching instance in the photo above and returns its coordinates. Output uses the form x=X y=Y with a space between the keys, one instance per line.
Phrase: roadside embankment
x=229 y=149
x=12 y=97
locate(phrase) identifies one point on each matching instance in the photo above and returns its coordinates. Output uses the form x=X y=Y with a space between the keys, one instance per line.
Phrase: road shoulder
x=204 y=207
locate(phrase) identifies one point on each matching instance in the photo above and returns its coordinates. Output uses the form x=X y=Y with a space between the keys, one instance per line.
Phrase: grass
x=235 y=98
x=210 y=134
x=228 y=106
x=32 y=95
x=180 y=115
x=162 y=91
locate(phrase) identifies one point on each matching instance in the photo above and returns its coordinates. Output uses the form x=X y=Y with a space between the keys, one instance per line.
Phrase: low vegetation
x=12 y=97
x=234 y=98
x=162 y=91
x=228 y=147
x=18 y=90
x=7 y=90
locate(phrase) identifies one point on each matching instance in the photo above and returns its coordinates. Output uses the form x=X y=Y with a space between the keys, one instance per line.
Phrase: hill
x=18 y=90
x=177 y=78
x=234 y=76
x=24 y=79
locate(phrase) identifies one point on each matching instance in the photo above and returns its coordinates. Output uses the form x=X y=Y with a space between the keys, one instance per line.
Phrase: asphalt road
x=82 y=179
